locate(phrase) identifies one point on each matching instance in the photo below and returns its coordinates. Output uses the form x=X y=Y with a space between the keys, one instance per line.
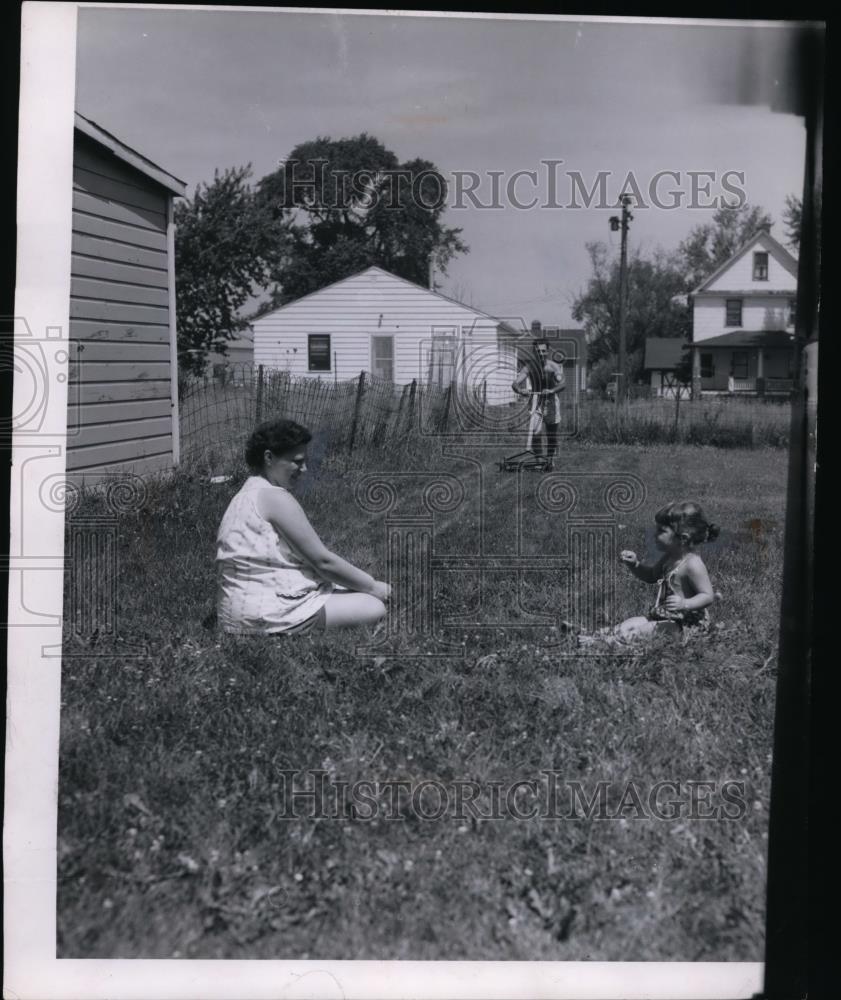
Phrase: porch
x=744 y=363
x=760 y=386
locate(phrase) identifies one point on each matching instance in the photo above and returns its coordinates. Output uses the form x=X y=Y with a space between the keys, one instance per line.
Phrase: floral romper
x=696 y=619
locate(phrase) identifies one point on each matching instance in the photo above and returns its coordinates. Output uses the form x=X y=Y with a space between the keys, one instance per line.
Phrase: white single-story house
x=397 y=331
x=123 y=401
x=743 y=321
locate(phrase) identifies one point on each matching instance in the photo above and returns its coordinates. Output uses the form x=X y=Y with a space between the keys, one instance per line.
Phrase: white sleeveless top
x=263 y=586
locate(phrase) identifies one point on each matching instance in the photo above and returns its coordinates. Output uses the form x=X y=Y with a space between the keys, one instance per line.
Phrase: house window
x=792 y=312
x=318 y=352
x=382 y=357
x=733 y=315
x=707 y=366
x=740 y=364
x=760 y=266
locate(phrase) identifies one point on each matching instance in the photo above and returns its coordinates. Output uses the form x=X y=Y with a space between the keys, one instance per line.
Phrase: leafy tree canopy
x=226 y=249
x=792 y=220
x=656 y=305
x=353 y=205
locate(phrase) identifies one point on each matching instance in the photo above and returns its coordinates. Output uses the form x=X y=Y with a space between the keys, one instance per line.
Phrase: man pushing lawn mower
x=543 y=379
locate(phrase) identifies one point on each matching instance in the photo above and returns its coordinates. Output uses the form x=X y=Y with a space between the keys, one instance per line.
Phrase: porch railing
x=741 y=384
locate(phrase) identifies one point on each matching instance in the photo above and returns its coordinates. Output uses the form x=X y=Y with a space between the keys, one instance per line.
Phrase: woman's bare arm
x=285 y=513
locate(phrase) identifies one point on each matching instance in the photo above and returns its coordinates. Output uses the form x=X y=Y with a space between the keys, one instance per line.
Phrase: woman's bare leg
x=348 y=609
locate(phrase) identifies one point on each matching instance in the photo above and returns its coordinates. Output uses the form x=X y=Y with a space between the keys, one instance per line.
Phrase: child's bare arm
x=648 y=574
x=696 y=572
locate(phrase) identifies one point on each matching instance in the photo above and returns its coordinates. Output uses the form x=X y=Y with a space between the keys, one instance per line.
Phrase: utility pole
x=615 y=224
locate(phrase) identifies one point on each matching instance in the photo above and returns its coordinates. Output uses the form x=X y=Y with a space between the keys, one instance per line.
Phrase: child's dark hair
x=688 y=522
x=276 y=436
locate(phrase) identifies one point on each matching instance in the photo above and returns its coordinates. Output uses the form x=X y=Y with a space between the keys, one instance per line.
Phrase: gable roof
x=664 y=353
x=788 y=261
x=128 y=155
x=396 y=277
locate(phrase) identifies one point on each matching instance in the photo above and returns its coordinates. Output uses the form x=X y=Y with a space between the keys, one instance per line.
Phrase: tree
x=226 y=249
x=792 y=220
x=656 y=307
x=709 y=245
x=355 y=205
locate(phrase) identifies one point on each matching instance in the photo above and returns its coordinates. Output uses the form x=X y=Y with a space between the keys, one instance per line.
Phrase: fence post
x=677 y=411
x=259 y=401
x=403 y=395
x=413 y=388
x=357 y=409
x=446 y=417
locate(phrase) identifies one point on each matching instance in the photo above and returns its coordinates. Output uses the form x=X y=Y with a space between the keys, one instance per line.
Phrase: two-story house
x=743 y=322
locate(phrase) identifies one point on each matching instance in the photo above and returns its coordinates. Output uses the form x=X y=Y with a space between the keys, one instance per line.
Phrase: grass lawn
x=172 y=836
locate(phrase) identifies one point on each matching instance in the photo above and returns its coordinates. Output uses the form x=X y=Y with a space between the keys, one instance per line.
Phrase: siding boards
x=125 y=452
x=109 y=250
x=92 y=352
x=117 y=371
x=92 y=414
x=88 y=266
x=111 y=291
x=148 y=427
x=117 y=312
x=95 y=225
x=115 y=331
x=90 y=157
x=96 y=471
x=142 y=218
x=127 y=194
x=121 y=414
x=119 y=392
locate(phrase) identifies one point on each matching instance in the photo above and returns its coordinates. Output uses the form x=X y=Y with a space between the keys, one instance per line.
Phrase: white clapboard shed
x=123 y=400
x=377 y=322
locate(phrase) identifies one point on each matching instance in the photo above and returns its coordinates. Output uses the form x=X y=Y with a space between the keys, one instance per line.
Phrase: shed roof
x=749 y=338
x=664 y=353
x=130 y=156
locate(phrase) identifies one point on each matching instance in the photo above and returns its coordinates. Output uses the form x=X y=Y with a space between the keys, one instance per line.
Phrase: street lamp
x=617 y=223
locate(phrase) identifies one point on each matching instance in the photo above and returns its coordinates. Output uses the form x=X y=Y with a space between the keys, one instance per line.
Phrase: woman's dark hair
x=688 y=522
x=276 y=436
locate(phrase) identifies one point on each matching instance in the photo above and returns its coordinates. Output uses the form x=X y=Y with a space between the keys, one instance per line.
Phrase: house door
x=382 y=357
x=442 y=358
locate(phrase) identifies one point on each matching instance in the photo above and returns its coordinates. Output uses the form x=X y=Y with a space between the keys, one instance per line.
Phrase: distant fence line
x=219 y=410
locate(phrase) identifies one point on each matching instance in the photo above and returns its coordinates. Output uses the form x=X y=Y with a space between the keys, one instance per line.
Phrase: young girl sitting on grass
x=684 y=591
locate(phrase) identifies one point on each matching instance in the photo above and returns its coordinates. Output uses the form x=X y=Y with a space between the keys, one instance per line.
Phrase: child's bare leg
x=635 y=628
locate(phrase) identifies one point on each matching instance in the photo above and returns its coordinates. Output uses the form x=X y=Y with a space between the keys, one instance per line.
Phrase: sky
x=200 y=90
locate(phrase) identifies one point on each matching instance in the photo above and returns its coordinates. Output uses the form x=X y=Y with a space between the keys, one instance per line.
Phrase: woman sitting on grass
x=684 y=591
x=275 y=574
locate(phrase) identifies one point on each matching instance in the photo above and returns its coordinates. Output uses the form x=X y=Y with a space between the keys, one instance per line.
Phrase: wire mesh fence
x=218 y=412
